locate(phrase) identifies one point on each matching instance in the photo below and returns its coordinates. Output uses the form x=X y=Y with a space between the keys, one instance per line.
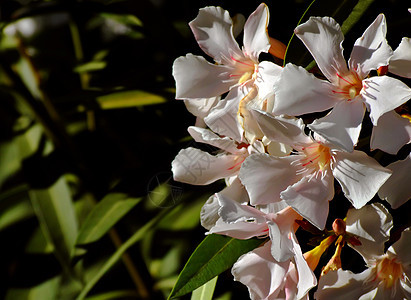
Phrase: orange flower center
x=348 y=86
x=389 y=271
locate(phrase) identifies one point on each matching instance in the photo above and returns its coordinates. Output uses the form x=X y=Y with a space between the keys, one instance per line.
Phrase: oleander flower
x=347 y=90
x=305 y=180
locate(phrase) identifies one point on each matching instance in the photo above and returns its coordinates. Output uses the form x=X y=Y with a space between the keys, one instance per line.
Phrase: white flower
x=305 y=181
x=348 y=91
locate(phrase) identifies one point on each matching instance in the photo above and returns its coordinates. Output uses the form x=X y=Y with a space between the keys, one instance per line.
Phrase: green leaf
x=206 y=291
x=38 y=244
x=55 y=211
x=90 y=66
x=214 y=255
x=355 y=15
x=15 y=206
x=123 y=19
x=125 y=99
x=47 y=290
x=104 y=216
x=122 y=294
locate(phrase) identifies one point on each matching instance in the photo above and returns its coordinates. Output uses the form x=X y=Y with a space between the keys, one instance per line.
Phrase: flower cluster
x=281 y=168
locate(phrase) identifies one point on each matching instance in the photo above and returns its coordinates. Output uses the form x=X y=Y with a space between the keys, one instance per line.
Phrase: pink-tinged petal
x=256 y=38
x=400 y=62
x=197 y=78
x=382 y=137
x=197 y=167
x=201 y=107
x=397 y=189
x=202 y=135
x=402 y=248
x=372 y=225
x=231 y=211
x=323 y=38
x=262 y=275
x=343 y=285
x=298 y=92
x=209 y=211
x=359 y=175
x=342 y=125
x=282 y=248
x=222 y=119
x=383 y=94
x=371 y=50
x=213 y=30
x=287 y=130
x=268 y=74
x=306 y=278
x=265 y=177
x=310 y=196
x=239 y=230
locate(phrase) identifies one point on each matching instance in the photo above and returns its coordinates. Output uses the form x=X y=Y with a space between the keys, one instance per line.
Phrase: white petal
x=197 y=78
x=383 y=94
x=268 y=74
x=400 y=62
x=239 y=230
x=343 y=285
x=342 y=125
x=371 y=50
x=232 y=211
x=382 y=137
x=256 y=38
x=197 y=167
x=323 y=38
x=222 y=119
x=213 y=30
x=309 y=197
x=397 y=189
x=206 y=136
x=298 y=92
x=287 y=130
x=201 y=107
x=402 y=248
x=372 y=225
x=359 y=175
x=265 y=177
x=260 y=273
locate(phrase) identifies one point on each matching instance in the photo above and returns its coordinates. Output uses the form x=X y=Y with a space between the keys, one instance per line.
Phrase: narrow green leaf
x=15 y=206
x=355 y=15
x=214 y=255
x=55 y=211
x=104 y=216
x=38 y=244
x=123 y=19
x=122 y=294
x=90 y=66
x=137 y=236
x=206 y=291
x=47 y=290
x=129 y=99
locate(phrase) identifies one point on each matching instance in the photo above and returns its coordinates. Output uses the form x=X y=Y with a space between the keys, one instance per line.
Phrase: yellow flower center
x=389 y=271
x=317 y=156
x=348 y=86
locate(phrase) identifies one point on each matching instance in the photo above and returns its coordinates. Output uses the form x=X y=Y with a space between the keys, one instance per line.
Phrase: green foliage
x=206 y=291
x=213 y=256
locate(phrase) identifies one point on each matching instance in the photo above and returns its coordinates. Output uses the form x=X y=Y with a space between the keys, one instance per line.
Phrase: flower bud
x=339 y=226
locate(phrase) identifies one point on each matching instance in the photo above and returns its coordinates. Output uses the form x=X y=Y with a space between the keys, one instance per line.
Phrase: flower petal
x=397 y=189
x=206 y=136
x=323 y=38
x=197 y=78
x=383 y=94
x=239 y=230
x=201 y=107
x=213 y=30
x=382 y=137
x=372 y=225
x=197 y=167
x=402 y=247
x=298 y=92
x=342 y=125
x=265 y=177
x=359 y=175
x=222 y=119
x=342 y=285
x=400 y=62
x=371 y=50
x=256 y=38
x=310 y=196
x=262 y=275
x=268 y=74
x=232 y=211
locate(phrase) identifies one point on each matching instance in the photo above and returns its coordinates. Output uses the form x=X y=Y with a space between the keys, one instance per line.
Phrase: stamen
x=241 y=62
x=339 y=76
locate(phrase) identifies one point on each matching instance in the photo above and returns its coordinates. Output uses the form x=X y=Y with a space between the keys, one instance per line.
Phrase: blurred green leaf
x=15 y=206
x=206 y=291
x=90 y=66
x=38 y=244
x=123 y=294
x=123 y=19
x=47 y=290
x=104 y=216
x=359 y=9
x=214 y=255
x=55 y=211
x=129 y=99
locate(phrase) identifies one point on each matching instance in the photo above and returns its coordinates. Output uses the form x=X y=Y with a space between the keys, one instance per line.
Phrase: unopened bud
x=339 y=226
x=277 y=48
